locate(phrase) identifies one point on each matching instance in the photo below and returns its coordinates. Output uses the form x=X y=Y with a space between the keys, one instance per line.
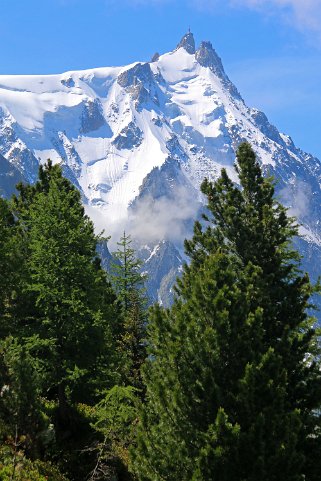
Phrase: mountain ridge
x=138 y=140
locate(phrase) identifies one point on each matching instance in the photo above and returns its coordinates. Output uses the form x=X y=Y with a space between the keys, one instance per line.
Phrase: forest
x=95 y=384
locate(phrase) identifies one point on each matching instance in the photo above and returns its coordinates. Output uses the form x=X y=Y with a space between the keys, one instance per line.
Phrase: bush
x=14 y=466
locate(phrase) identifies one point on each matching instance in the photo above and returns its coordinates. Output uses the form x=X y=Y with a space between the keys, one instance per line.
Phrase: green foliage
x=115 y=419
x=232 y=380
x=116 y=413
x=128 y=282
x=219 y=448
x=72 y=449
x=70 y=318
x=126 y=274
x=20 y=406
x=14 y=466
x=62 y=312
x=8 y=267
x=233 y=373
x=197 y=354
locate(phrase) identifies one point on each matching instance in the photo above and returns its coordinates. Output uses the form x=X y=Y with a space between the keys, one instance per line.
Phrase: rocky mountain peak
x=138 y=140
x=188 y=43
x=155 y=57
x=139 y=73
x=207 y=57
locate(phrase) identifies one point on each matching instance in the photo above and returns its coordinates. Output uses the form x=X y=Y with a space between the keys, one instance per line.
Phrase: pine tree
x=233 y=372
x=67 y=317
x=128 y=282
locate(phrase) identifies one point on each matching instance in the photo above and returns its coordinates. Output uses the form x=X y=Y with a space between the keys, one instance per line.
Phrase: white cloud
x=296 y=196
x=151 y=220
x=164 y=218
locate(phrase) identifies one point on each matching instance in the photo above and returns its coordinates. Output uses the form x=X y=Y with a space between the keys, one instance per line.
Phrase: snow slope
x=138 y=140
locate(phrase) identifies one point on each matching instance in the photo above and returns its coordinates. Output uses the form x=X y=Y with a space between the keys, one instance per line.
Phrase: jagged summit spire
x=188 y=42
x=207 y=57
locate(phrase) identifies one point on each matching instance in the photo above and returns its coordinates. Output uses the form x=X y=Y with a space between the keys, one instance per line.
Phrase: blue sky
x=271 y=49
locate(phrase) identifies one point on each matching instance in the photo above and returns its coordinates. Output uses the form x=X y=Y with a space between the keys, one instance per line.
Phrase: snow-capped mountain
x=138 y=140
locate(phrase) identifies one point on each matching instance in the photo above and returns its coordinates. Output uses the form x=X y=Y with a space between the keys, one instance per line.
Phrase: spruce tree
x=128 y=282
x=233 y=373
x=67 y=317
x=126 y=273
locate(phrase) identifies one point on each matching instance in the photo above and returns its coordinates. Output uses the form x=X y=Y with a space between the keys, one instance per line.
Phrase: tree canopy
x=233 y=372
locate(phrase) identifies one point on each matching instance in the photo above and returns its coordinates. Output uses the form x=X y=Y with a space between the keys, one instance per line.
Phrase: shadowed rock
x=207 y=57
x=92 y=118
x=188 y=43
x=129 y=138
x=140 y=73
x=155 y=57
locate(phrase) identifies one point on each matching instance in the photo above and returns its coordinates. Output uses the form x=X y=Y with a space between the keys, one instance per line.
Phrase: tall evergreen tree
x=67 y=317
x=128 y=282
x=126 y=273
x=233 y=373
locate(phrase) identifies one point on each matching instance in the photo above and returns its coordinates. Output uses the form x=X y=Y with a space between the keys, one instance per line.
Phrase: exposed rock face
x=105 y=256
x=129 y=138
x=188 y=43
x=68 y=82
x=14 y=149
x=140 y=73
x=175 y=149
x=161 y=182
x=24 y=161
x=163 y=264
x=92 y=118
x=139 y=82
x=139 y=93
x=155 y=57
x=207 y=57
x=264 y=125
x=67 y=152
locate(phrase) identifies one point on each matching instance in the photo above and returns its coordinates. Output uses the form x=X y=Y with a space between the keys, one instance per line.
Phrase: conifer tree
x=233 y=372
x=67 y=315
x=8 y=266
x=126 y=273
x=128 y=282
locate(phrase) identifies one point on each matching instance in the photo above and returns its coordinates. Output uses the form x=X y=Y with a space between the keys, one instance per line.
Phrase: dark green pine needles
x=69 y=323
x=233 y=374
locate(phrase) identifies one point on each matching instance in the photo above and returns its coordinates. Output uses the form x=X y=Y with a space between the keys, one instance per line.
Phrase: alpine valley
x=138 y=140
